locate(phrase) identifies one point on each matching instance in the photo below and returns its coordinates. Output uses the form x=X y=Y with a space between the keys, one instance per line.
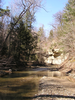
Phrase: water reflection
x=16 y=75
x=19 y=74
x=20 y=85
x=19 y=92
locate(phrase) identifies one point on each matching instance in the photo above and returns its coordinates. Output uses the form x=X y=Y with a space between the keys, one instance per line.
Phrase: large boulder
x=56 y=57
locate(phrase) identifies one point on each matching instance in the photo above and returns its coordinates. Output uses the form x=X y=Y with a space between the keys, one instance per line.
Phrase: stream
x=22 y=85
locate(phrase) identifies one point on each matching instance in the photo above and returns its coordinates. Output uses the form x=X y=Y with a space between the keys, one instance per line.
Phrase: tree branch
x=20 y=16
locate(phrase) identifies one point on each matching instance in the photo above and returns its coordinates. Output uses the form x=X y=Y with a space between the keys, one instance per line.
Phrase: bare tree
x=58 y=18
x=25 y=5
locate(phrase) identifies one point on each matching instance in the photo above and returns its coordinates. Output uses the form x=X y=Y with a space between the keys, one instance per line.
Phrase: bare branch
x=27 y=4
x=23 y=4
x=20 y=16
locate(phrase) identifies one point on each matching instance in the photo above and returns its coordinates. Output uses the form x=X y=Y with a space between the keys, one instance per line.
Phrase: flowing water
x=21 y=85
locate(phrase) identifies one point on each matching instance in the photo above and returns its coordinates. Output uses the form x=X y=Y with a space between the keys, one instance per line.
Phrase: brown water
x=20 y=85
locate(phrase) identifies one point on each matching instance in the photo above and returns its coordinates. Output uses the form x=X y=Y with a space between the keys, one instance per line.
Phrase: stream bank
x=56 y=86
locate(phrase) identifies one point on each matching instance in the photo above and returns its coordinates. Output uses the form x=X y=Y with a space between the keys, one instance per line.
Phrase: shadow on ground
x=55 y=96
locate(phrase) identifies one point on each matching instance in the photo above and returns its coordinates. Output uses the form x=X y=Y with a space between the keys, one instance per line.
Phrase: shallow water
x=20 y=85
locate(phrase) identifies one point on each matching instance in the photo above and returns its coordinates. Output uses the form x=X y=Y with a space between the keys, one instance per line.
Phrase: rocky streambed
x=47 y=82
x=56 y=87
